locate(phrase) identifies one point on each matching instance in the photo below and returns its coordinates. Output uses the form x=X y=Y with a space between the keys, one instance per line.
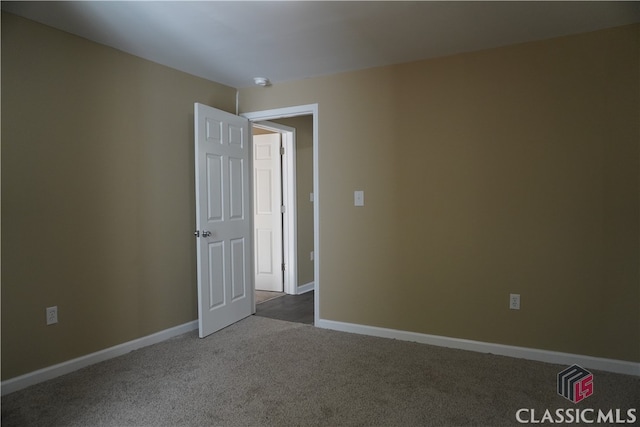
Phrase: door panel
x=264 y=202
x=238 y=269
x=236 y=187
x=214 y=187
x=222 y=199
x=216 y=274
x=264 y=244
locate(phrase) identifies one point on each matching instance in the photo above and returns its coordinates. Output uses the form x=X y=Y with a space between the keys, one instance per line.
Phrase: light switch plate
x=358 y=198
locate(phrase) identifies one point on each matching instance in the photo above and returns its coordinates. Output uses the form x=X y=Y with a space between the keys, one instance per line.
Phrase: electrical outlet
x=514 y=301
x=52 y=315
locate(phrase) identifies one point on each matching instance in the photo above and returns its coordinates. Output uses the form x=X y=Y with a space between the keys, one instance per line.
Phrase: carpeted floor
x=265 y=372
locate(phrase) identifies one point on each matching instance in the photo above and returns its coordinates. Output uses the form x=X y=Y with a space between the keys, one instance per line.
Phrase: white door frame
x=290 y=223
x=302 y=110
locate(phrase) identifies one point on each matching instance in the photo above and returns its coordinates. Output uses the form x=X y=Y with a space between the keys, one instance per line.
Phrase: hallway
x=292 y=308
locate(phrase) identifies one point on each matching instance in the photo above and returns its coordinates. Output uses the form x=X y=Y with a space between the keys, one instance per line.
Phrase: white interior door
x=267 y=215
x=223 y=219
x=289 y=201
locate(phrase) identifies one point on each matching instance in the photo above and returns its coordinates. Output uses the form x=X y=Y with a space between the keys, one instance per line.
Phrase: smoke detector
x=262 y=81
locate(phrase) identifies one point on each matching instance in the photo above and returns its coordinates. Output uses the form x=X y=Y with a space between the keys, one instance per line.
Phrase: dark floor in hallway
x=292 y=308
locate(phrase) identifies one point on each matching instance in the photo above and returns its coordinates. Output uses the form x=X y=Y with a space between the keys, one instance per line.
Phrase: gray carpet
x=265 y=372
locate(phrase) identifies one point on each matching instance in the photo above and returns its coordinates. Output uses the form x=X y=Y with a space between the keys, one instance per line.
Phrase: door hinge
x=283 y=267
x=283 y=209
x=196 y=233
x=282 y=151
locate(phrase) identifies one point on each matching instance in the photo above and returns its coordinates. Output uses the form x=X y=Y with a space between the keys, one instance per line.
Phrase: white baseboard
x=50 y=372
x=609 y=365
x=307 y=287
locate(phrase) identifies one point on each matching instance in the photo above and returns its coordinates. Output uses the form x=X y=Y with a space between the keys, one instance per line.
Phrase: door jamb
x=289 y=226
x=303 y=110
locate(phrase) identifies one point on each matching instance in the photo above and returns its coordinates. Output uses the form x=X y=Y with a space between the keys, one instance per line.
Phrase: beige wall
x=97 y=195
x=512 y=170
x=260 y=131
x=359 y=261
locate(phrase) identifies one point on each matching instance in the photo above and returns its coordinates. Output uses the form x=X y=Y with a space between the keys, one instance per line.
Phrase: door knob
x=206 y=233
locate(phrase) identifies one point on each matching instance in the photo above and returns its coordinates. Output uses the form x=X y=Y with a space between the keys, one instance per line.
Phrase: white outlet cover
x=52 y=315
x=358 y=198
x=514 y=301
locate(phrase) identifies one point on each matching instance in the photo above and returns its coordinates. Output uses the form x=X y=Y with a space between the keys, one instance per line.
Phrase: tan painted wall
x=259 y=131
x=359 y=264
x=512 y=170
x=97 y=195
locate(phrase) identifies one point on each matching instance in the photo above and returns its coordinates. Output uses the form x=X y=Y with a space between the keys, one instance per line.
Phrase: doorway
x=305 y=257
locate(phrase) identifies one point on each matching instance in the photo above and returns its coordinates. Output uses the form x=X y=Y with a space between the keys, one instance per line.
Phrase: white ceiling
x=232 y=42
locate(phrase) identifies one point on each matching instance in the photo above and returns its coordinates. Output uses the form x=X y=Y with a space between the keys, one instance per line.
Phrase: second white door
x=267 y=212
